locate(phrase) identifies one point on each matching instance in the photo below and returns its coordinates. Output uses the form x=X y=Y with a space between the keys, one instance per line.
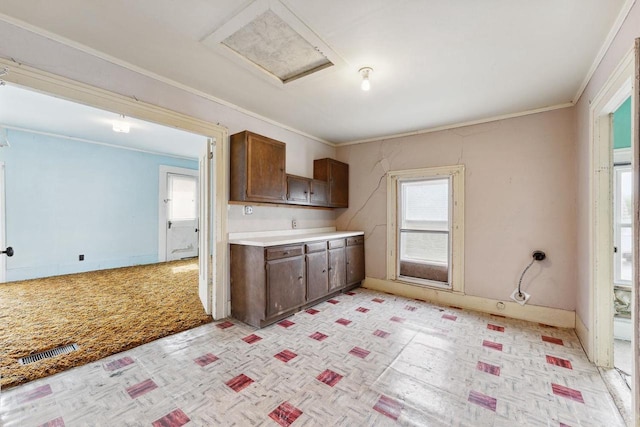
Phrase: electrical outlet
x=248 y=210
x=80 y=257
x=294 y=224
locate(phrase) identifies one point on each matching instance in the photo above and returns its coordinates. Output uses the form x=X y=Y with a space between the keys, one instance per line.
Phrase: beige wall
x=622 y=43
x=48 y=55
x=520 y=196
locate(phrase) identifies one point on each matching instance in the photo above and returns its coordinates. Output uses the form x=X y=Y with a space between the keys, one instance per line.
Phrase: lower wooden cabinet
x=268 y=284
x=285 y=283
x=337 y=265
x=355 y=260
x=317 y=277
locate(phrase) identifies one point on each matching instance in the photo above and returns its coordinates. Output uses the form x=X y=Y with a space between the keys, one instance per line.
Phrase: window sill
x=429 y=284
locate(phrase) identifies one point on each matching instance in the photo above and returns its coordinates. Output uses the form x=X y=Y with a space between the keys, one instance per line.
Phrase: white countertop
x=287 y=239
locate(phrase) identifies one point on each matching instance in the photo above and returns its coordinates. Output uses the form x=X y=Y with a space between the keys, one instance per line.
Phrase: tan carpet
x=104 y=312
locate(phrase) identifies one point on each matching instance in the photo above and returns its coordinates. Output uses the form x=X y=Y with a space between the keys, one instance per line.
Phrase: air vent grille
x=48 y=354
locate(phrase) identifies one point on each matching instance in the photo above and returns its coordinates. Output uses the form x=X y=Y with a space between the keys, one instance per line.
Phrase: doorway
x=611 y=257
x=178 y=213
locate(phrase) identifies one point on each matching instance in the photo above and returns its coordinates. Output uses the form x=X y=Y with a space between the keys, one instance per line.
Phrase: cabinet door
x=298 y=189
x=337 y=269
x=317 y=275
x=285 y=285
x=266 y=179
x=319 y=193
x=338 y=184
x=355 y=264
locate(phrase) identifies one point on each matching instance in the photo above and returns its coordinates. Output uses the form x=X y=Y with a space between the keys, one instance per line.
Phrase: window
x=182 y=201
x=622 y=210
x=425 y=231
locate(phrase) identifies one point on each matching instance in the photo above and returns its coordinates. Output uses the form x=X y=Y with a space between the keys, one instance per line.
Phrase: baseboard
x=584 y=336
x=532 y=313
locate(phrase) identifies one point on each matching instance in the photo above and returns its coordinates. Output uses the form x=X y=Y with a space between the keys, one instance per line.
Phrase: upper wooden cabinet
x=298 y=189
x=257 y=171
x=336 y=174
x=306 y=191
x=257 y=174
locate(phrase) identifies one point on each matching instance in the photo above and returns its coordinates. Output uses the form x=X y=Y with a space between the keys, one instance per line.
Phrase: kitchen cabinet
x=257 y=169
x=355 y=260
x=317 y=271
x=336 y=175
x=271 y=283
x=285 y=283
x=298 y=190
x=319 y=193
x=337 y=265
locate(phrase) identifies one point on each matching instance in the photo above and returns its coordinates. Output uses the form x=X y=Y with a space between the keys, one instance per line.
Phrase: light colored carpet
x=104 y=312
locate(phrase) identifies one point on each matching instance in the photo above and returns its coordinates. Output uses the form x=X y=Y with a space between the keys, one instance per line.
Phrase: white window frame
x=617 y=225
x=455 y=173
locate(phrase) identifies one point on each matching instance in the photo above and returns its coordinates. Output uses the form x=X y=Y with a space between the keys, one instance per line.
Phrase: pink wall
x=620 y=46
x=520 y=196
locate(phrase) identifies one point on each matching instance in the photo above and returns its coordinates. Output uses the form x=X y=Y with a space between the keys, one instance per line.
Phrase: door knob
x=8 y=251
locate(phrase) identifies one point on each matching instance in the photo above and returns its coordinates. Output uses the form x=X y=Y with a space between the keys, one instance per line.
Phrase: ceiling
x=29 y=110
x=435 y=62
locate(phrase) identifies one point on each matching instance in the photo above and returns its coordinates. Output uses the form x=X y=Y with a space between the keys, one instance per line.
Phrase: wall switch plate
x=294 y=224
x=248 y=210
x=80 y=257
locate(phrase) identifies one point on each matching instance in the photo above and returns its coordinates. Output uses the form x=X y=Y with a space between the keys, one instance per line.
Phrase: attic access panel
x=273 y=45
x=269 y=38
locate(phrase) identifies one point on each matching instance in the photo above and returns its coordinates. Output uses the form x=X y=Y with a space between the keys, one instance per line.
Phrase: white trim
x=90 y=141
x=613 y=32
x=584 y=336
x=129 y=66
x=99 y=98
x=622 y=155
x=3 y=224
x=456 y=174
x=162 y=206
x=533 y=313
x=613 y=93
x=460 y=125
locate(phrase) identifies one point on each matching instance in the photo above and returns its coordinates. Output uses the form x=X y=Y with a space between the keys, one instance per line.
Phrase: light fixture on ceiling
x=366 y=83
x=121 y=126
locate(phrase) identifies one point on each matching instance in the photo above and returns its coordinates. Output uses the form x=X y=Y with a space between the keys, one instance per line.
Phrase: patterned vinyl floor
x=362 y=359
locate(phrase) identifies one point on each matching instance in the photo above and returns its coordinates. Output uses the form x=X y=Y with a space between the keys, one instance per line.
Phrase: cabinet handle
x=330 y=269
x=300 y=277
x=324 y=271
x=285 y=253
x=313 y=192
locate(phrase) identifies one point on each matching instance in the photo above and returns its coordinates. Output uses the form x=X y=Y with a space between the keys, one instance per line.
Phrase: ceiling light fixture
x=365 y=72
x=121 y=126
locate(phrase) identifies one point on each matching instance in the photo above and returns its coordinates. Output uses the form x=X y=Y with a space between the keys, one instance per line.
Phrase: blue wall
x=65 y=198
x=622 y=125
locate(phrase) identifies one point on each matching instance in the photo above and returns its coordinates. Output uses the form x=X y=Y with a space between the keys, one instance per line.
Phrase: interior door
x=206 y=265
x=182 y=216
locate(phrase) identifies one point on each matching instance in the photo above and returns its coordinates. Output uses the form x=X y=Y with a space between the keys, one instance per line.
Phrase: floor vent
x=48 y=354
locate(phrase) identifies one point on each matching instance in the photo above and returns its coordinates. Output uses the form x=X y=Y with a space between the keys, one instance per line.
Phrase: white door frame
x=72 y=90
x=614 y=92
x=164 y=171
x=3 y=226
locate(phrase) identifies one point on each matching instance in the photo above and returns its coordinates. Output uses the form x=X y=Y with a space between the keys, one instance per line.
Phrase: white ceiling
x=26 y=109
x=435 y=62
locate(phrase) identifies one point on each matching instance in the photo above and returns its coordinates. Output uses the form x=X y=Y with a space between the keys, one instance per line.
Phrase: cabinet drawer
x=316 y=246
x=278 y=252
x=336 y=243
x=356 y=240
